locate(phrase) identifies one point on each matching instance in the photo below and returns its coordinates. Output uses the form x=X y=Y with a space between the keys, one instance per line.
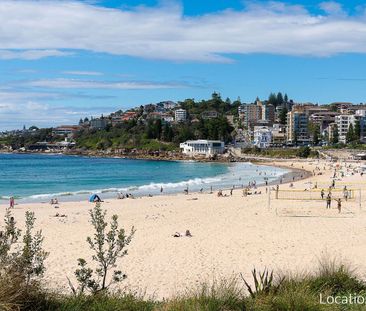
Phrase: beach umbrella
x=92 y=198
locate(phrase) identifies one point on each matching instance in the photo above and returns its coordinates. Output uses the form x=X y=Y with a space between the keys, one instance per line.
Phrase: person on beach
x=322 y=194
x=329 y=200
x=96 y=198
x=345 y=193
x=245 y=192
x=231 y=192
x=277 y=190
x=11 y=202
x=54 y=201
x=179 y=235
x=161 y=189
x=219 y=194
x=339 y=205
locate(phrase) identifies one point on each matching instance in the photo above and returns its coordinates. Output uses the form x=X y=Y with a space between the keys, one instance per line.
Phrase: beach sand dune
x=231 y=234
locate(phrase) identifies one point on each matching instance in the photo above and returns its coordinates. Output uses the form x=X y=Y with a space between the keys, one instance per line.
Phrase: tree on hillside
x=314 y=131
x=283 y=115
x=335 y=134
x=272 y=99
x=167 y=134
x=279 y=98
x=350 y=137
x=357 y=130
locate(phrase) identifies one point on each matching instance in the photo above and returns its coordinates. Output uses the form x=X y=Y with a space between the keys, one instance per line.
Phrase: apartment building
x=250 y=114
x=297 y=127
x=180 y=115
x=343 y=123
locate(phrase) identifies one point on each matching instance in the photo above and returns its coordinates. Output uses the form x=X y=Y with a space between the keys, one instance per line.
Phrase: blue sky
x=70 y=59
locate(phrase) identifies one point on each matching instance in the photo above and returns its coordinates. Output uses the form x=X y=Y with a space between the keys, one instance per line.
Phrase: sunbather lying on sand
x=179 y=235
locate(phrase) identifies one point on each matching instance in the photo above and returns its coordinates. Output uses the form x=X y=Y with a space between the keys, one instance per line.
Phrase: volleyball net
x=314 y=202
x=315 y=194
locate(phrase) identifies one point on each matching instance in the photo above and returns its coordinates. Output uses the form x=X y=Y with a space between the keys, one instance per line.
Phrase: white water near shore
x=46 y=178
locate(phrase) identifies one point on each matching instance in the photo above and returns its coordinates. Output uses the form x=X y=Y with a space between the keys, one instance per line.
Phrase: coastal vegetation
x=30 y=137
x=144 y=132
x=22 y=288
x=147 y=133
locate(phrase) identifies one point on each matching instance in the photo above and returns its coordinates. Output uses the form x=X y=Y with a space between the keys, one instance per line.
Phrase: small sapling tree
x=32 y=255
x=108 y=245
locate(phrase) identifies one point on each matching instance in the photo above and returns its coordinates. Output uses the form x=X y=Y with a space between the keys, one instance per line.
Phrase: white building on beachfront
x=202 y=147
x=262 y=137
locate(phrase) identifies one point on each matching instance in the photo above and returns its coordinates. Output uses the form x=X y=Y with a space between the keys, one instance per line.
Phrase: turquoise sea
x=38 y=177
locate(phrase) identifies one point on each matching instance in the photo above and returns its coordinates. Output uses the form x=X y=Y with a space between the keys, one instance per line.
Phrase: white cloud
x=16 y=113
x=85 y=84
x=82 y=73
x=12 y=95
x=30 y=54
x=165 y=33
x=332 y=8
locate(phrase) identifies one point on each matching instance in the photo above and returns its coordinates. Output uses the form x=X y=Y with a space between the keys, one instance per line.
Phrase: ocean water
x=38 y=178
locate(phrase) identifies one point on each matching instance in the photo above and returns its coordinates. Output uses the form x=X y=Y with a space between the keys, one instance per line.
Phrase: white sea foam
x=228 y=179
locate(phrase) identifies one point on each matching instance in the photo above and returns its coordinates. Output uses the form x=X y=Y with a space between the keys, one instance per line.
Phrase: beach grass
x=286 y=292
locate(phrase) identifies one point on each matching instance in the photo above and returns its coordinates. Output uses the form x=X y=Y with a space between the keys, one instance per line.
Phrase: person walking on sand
x=329 y=200
x=11 y=202
x=339 y=205
x=345 y=193
x=322 y=194
x=277 y=189
x=231 y=192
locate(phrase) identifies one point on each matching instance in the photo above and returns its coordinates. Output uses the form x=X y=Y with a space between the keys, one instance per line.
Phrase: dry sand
x=230 y=234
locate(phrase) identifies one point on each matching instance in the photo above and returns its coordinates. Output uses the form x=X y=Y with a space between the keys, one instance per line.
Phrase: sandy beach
x=231 y=234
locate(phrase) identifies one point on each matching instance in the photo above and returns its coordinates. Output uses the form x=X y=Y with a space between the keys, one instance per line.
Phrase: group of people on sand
x=329 y=202
x=54 y=201
x=246 y=191
x=122 y=196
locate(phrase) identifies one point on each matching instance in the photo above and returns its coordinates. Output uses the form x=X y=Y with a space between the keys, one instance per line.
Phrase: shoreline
x=292 y=175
